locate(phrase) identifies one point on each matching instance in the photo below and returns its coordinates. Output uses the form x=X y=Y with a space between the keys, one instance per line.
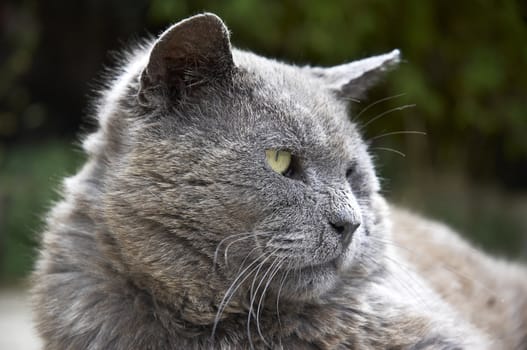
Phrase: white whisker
x=376 y=103
x=233 y=288
x=390 y=150
x=397 y=133
x=244 y=234
x=253 y=293
x=225 y=253
x=260 y=302
x=400 y=108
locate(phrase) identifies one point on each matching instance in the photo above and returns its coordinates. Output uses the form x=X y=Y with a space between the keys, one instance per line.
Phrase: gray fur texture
x=176 y=234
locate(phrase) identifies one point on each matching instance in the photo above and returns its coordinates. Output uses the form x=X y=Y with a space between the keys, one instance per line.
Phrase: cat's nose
x=345 y=229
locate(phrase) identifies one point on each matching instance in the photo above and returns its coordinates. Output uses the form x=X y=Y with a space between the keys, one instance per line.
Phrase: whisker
x=233 y=288
x=245 y=259
x=397 y=133
x=253 y=294
x=351 y=99
x=376 y=103
x=250 y=312
x=225 y=239
x=390 y=150
x=260 y=302
x=284 y=278
x=225 y=253
x=395 y=109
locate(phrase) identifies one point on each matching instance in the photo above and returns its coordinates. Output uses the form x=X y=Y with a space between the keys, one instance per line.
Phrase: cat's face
x=199 y=173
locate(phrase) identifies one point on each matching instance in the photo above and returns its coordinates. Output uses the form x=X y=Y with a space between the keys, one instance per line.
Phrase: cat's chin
x=314 y=280
x=310 y=282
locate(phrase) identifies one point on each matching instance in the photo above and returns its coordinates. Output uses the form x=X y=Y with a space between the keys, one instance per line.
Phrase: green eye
x=279 y=161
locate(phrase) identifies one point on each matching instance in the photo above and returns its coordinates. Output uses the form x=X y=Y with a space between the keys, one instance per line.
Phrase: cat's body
x=177 y=234
x=489 y=293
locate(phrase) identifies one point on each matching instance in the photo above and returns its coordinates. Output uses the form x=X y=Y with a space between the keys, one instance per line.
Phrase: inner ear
x=351 y=80
x=191 y=53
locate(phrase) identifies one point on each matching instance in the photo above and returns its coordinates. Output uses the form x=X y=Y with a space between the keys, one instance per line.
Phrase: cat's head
x=224 y=165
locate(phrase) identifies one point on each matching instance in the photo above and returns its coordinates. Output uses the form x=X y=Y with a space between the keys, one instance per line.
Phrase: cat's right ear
x=191 y=53
x=350 y=81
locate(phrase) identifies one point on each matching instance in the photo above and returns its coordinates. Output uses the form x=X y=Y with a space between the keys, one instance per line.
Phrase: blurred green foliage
x=30 y=176
x=464 y=69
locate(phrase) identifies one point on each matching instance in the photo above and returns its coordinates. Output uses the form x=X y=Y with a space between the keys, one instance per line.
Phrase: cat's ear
x=351 y=80
x=191 y=53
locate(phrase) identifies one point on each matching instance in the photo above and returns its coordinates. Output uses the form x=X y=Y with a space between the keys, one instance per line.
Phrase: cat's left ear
x=351 y=80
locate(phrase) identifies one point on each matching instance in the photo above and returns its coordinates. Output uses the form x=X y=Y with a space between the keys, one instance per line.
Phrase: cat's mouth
x=325 y=261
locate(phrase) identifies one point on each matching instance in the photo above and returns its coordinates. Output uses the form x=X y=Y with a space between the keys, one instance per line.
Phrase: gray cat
x=229 y=203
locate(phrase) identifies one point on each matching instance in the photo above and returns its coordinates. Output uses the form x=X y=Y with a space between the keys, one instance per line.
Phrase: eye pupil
x=288 y=172
x=350 y=172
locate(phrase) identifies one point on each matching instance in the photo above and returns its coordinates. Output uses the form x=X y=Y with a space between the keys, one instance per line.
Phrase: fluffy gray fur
x=176 y=234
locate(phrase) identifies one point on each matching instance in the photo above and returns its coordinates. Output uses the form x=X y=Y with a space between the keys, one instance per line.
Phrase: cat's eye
x=279 y=160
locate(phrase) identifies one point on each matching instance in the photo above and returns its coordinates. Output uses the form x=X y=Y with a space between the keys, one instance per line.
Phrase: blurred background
x=464 y=74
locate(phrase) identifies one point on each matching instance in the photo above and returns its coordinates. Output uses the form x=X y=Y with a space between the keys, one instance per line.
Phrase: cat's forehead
x=296 y=101
x=283 y=81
